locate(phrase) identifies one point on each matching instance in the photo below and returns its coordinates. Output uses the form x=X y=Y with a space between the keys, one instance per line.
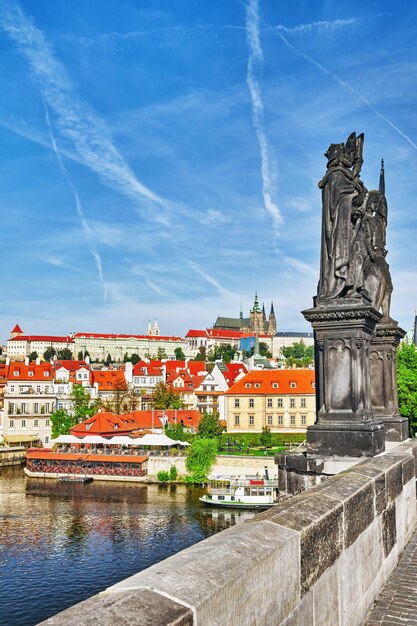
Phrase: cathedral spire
x=256 y=303
x=241 y=312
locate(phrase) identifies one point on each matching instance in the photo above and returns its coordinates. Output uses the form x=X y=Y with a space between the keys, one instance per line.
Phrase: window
x=23 y=407
x=38 y=388
x=12 y=389
x=47 y=407
x=46 y=374
x=47 y=389
x=303 y=403
x=15 y=373
x=61 y=389
x=247 y=385
x=303 y=420
x=257 y=385
x=251 y=403
x=11 y=423
x=47 y=439
x=280 y=403
x=269 y=403
x=36 y=422
x=292 y=420
x=275 y=385
x=11 y=408
x=280 y=420
x=237 y=403
x=237 y=420
x=293 y=385
x=251 y=420
x=269 y=420
x=46 y=422
x=292 y=403
x=23 y=423
x=30 y=374
x=36 y=407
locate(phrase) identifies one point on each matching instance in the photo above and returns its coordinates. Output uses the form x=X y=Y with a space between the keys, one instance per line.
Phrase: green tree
x=176 y=432
x=179 y=354
x=200 y=458
x=108 y=360
x=134 y=358
x=163 y=397
x=49 y=353
x=298 y=354
x=407 y=383
x=123 y=400
x=224 y=353
x=266 y=437
x=61 y=423
x=126 y=358
x=161 y=354
x=173 y=473
x=201 y=354
x=263 y=351
x=65 y=354
x=209 y=426
x=33 y=356
x=81 y=355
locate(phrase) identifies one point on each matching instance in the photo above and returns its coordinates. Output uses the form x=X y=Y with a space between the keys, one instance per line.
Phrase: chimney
x=164 y=372
x=87 y=359
x=7 y=360
x=26 y=360
x=129 y=372
x=38 y=360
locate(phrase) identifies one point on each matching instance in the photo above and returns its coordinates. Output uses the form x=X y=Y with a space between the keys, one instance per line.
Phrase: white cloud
x=214 y=217
x=254 y=61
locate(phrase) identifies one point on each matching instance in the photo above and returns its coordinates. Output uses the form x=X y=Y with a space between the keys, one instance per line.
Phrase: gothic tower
x=256 y=316
x=272 y=324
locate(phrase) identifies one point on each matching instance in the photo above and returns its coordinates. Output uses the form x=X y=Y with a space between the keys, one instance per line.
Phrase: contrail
x=255 y=60
x=342 y=83
x=84 y=223
x=75 y=119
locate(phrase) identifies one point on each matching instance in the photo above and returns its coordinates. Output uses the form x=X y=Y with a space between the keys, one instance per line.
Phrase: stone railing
x=12 y=456
x=320 y=558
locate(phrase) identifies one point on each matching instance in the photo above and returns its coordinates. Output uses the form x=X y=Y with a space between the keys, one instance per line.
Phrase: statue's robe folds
x=339 y=188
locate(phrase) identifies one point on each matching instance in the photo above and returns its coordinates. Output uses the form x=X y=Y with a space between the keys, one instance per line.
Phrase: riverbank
x=12 y=456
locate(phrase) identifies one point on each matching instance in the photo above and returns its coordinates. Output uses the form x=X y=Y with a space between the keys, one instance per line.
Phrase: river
x=61 y=543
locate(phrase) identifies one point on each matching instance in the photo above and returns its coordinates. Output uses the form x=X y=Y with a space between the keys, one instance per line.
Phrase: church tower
x=256 y=316
x=272 y=323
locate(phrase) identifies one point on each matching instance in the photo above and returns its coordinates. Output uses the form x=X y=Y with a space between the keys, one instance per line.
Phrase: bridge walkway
x=397 y=602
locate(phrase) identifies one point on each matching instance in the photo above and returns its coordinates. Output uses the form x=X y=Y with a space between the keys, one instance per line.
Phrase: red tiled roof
x=151 y=370
x=70 y=365
x=196 y=333
x=196 y=367
x=19 y=371
x=103 y=423
x=48 y=338
x=121 y=336
x=109 y=380
x=17 y=329
x=261 y=382
x=233 y=371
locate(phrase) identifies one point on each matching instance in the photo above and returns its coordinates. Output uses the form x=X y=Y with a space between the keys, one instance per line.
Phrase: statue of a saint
x=342 y=195
x=377 y=276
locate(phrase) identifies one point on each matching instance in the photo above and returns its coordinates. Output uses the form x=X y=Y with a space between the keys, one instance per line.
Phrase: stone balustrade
x=318 y=559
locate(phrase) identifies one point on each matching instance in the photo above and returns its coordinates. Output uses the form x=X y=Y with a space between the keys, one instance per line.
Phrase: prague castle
x=256 y=322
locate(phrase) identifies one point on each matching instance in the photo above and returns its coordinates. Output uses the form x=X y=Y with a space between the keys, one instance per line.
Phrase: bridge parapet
x=320 y=558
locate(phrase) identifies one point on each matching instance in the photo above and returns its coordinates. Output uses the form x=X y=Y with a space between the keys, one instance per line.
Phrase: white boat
x=250 y=492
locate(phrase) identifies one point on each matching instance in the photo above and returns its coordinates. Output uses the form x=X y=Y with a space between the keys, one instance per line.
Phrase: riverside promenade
x=397 y=603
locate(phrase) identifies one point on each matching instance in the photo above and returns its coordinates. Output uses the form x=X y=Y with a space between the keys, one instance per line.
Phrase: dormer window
x=115 y=426
x=275 y=385
x=46 y=374
x=30 y=373
x=293 y=385
x=257 y=385
x=88 y=426
x=15 y=373
x=247 y=385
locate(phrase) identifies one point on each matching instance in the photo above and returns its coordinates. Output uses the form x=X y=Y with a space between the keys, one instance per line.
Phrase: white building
x=99 y=345
x=20 y=346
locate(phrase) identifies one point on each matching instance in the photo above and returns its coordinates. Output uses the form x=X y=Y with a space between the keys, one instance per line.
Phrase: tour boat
x=250 y=492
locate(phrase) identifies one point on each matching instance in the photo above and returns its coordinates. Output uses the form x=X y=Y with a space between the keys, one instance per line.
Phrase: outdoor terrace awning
x=21 y=438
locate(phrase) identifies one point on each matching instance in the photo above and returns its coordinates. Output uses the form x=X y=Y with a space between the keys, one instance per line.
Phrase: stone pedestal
x=345 y=424
x=384 y=395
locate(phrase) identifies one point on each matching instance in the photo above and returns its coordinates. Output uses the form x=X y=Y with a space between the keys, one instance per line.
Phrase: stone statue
x=342 y=196
x=377 y=277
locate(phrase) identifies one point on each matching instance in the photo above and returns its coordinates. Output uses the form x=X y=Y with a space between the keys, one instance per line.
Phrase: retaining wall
x=12 y=456
x=318 y=559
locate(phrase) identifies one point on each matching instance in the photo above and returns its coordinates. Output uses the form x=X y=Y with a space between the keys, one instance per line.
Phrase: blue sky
x=160 y=158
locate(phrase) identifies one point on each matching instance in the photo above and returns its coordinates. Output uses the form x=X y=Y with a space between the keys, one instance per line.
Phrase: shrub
x=162 y=476
x=173 y=473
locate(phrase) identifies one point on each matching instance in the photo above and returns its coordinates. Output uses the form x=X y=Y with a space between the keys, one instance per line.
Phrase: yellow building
x=283 y=400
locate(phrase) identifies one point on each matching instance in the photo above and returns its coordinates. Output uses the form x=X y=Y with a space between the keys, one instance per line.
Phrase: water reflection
x=62 y=542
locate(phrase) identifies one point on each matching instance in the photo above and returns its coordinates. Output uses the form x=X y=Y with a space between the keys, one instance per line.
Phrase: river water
x=61 y=543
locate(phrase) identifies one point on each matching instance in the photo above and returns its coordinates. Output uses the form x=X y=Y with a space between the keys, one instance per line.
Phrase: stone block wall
x=12 y=456
x=318 y=559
